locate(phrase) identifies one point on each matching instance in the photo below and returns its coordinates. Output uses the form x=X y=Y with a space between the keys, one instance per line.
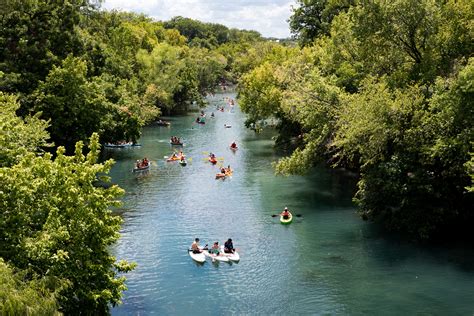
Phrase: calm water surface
x=326 y=262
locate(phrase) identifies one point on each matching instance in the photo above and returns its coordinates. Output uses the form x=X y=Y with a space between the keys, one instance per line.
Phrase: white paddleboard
x=198 y=257
x=220 y=257
x=232 y=256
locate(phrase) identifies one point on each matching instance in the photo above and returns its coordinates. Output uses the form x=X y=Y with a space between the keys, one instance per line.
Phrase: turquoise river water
x=326 y=262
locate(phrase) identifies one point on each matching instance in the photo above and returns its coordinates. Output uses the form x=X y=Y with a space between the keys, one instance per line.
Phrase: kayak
x=137 y=169
x=232 y=256
x=176 y=144
x=213 y=160
x=234 y=148
x=219 y=257
x=174 y=158
x=198 y=257
x=286 y=221
x=224 y=175
x=220 y=176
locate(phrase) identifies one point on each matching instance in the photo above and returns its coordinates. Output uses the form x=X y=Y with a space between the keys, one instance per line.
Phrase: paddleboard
x=232 y=256
x=198 y=257
x=220 y=257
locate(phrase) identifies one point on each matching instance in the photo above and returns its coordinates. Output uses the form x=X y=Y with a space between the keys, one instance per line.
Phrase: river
x=327 y=261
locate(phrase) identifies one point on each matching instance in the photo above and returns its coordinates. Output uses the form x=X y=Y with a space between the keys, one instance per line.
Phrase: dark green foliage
x=312 y=18
x=385 y=89
x=20 y=297
x=209 y=35
x=34 y=36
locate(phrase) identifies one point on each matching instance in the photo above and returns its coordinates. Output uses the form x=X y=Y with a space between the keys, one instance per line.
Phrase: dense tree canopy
x=122 y=69
x=384 y=88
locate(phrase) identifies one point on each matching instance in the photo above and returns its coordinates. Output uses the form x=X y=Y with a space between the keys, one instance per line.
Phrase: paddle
x=296 y=215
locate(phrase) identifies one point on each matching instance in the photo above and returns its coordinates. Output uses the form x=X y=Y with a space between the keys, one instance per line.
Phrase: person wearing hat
x=285 y=213
x=228 y=246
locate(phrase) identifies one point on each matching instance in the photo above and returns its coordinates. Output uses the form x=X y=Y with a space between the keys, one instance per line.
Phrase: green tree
x=55 y=222
x=312 y=18
x=78 y=107
x=20 y=297
x=18 y=136
x=34 y=36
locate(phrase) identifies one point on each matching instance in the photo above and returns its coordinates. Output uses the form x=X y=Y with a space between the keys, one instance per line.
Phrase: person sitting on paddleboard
x=228 y=246
x=285 y=213
x=215 y=248
x=195 y=246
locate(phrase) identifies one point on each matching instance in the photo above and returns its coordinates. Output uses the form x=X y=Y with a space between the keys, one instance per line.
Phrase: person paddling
x=286 y=213
x=233 y=145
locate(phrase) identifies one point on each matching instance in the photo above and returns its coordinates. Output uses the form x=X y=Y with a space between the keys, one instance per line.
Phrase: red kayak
x=213 y=160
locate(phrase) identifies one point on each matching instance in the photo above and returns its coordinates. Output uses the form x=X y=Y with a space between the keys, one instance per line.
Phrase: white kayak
x=232 y=256
x=198 y=257
x=219 y=257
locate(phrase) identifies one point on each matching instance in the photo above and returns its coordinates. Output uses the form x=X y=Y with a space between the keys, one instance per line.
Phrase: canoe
x=220 y=257
x=232 y=256
x=286 y=221
x=198 y=257
x=141 y=168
